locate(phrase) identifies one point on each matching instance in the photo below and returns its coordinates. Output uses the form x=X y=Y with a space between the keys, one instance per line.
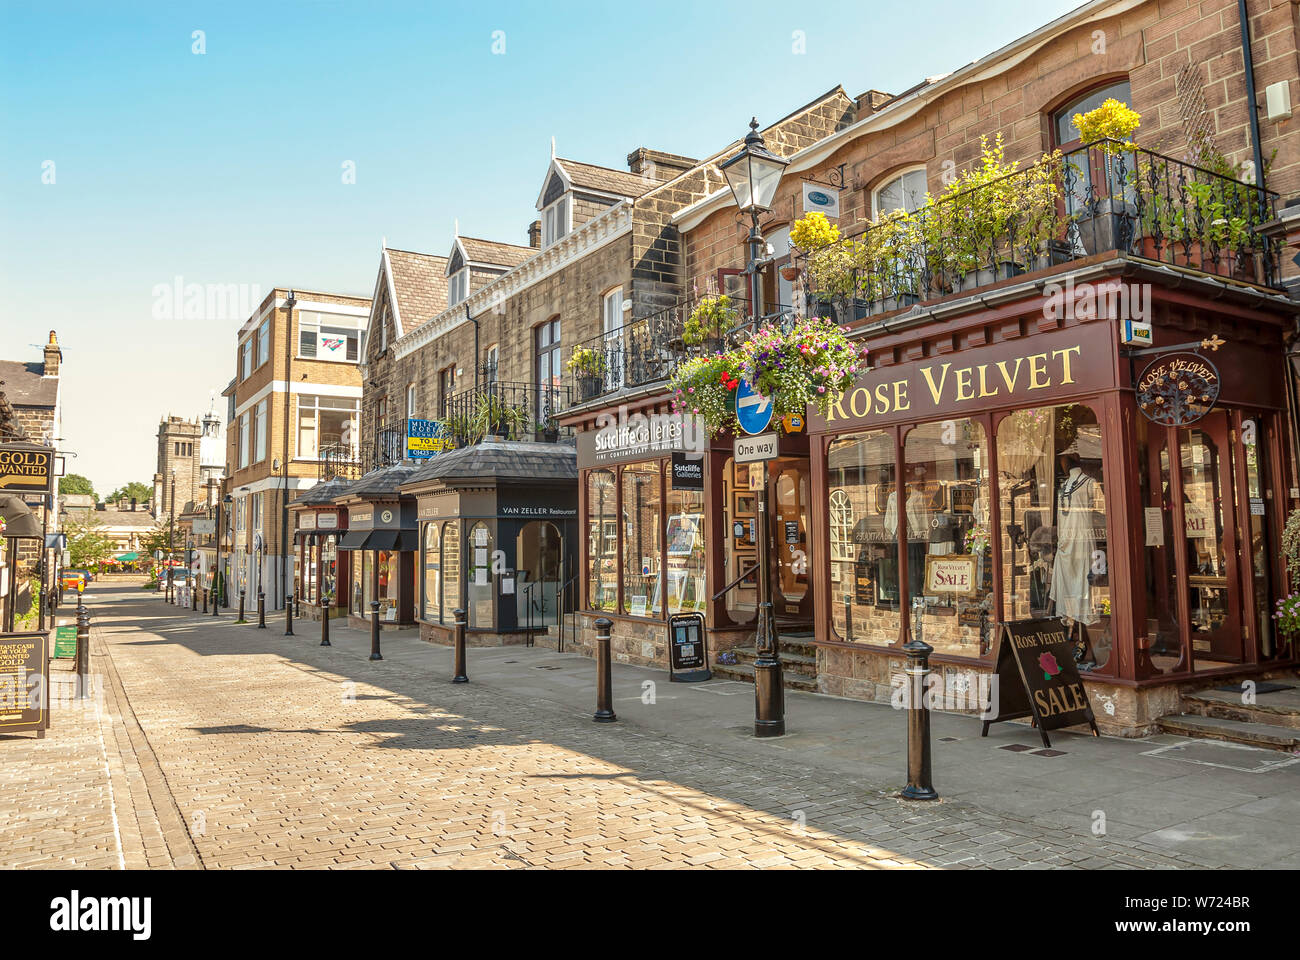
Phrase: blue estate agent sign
x=425 y=439
x=753 y=410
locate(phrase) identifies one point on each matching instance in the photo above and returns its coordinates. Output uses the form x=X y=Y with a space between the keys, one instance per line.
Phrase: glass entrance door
x=788 y=494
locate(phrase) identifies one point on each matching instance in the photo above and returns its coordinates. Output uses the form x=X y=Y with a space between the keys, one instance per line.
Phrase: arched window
x=1064 y=134
x=841 y=527
x=904 y=192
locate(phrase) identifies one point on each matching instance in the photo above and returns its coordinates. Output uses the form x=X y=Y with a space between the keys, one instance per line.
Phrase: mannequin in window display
x=1071 y=589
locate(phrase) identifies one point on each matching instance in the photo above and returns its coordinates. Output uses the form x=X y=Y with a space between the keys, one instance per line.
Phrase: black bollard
x=241 y=606
x=297 y=606
x=918 y=786
x=83 y=650
x=324 y=622
x=194 y=597
x=288 y=617
x=374 y=631
x=261 y=609
x=604 y=676
x=459 y=617
x=205 y=599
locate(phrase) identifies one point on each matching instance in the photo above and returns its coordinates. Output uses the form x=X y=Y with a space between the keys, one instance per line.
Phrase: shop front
x=1007 y=468
x=498 y=539
x=381 y=543
x=321 y=565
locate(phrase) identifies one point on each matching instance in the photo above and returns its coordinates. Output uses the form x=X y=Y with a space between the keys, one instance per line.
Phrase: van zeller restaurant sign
x=26 y=468
x=638 y=436
x=1030 y=371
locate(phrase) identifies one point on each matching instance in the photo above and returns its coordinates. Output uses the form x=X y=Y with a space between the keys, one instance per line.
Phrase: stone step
x=1264 y=735
x=799 y=662
x=744 y=672
x=1281 y=708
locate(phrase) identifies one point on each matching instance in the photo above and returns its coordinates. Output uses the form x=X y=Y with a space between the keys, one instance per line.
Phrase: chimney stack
x=535 y=234
x=657 y=165
x=53 y=355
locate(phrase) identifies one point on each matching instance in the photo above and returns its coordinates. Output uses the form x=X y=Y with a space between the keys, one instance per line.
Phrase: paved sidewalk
x=241 y=747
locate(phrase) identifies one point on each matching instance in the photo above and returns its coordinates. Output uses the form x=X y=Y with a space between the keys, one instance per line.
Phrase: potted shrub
x=894 y=254
x=710 y=322
x=1109 y=220
x=808 y=234
x=588 y=367
x=838 y=273
x=493 y=416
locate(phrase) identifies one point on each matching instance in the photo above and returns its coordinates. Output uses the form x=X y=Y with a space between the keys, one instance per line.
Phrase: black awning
x=354 y=540
x=380 y=540
x=18 y=517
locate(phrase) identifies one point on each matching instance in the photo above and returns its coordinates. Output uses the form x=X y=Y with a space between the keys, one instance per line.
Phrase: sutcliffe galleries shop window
x=662 y=570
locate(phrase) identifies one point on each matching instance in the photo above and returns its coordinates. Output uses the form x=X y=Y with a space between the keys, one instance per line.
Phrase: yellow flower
x=813 y=231
x=1113 y=120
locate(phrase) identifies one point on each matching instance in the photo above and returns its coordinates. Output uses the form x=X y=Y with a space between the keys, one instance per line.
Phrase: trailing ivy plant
x=711 y=319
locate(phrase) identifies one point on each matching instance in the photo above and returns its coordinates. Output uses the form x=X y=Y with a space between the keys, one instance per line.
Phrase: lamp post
x=754 y=175
x=218 y=582
x=171 y=537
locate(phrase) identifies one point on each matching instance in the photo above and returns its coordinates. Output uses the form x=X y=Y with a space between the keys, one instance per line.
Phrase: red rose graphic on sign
x=1049 y=666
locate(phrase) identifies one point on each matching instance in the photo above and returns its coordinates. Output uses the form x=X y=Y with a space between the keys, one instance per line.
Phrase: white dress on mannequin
x=1070 y=589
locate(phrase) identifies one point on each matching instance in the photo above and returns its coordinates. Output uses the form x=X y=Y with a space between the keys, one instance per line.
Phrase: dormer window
x=555 y=221
x=458 y=287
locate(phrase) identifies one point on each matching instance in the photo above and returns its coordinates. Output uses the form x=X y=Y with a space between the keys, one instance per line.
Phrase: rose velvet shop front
x=997 y=467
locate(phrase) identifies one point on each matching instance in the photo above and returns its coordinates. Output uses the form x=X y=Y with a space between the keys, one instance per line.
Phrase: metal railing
x=338 y=460
x=1103 y=197
x=649 y=348
x=513 y=411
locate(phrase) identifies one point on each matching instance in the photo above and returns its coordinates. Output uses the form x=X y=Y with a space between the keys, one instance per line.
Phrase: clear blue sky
x=226 y=167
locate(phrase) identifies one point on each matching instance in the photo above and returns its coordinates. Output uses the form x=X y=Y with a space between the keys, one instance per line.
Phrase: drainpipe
x=290 y=302
x=1253 y=105
x=476 y=356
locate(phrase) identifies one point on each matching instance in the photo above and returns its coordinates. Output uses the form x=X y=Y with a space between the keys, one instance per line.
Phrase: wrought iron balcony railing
x=649 y=348
x=1104 y=197
x=338 y=460
x=514 y=411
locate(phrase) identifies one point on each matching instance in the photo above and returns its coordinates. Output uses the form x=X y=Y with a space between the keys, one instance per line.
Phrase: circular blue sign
x=753 y=410
x=819 y=198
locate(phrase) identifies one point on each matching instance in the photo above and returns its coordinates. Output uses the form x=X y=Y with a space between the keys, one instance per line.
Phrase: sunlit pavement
x=218 y=745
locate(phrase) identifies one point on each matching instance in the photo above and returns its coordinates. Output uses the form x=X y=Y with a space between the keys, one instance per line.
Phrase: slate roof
x=498 y=254
x=383 y=482
x=606 y=179
x=321 y=493
x=25 y=384
x=419 y=286
x=501 y=460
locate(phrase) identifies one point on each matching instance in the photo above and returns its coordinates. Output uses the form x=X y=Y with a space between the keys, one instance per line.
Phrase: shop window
x=431 y=559
x=740 y=551
x=450 y=569
x=328 y=566
x=865 y=596
x=602 y=541
x=642 y=517
x=538 y=561
x=389 y=578
x=949 y=559
x=1053 y=514
x=359 y=605
x=481 y=586
x=684 y=561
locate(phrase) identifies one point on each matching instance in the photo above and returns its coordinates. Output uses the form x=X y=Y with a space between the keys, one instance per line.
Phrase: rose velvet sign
x=1037 y=677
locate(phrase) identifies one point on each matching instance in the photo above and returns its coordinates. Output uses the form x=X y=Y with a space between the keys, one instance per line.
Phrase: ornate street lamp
x=754 y=175
x=219 y=581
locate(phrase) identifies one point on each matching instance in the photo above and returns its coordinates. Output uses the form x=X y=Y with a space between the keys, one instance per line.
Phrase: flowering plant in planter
x=1287 y=615
x=813 y=362
x=710 y=320
x=1112 y=121
x=813 y=231
x=586 y=362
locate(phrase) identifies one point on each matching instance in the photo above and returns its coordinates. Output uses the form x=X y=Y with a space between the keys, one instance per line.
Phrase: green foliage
x=1291 y=543
x=87 y=543
x=140 y=491
x=711 y=319
x=76 y=483
x=492 y=415
x=586 y=362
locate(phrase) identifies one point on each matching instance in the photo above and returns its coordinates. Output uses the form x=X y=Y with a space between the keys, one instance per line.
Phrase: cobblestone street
x=219 y=745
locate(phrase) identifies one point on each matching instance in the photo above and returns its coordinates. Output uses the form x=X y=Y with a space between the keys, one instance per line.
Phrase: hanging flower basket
x=814 y=362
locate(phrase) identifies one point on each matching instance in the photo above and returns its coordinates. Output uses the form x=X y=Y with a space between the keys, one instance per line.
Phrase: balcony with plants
x=1001 y=220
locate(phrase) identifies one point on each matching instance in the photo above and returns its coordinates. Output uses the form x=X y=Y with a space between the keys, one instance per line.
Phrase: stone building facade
x=296 y=393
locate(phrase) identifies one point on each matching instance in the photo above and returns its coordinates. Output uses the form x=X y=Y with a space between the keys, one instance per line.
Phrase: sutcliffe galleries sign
x=26 y=468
